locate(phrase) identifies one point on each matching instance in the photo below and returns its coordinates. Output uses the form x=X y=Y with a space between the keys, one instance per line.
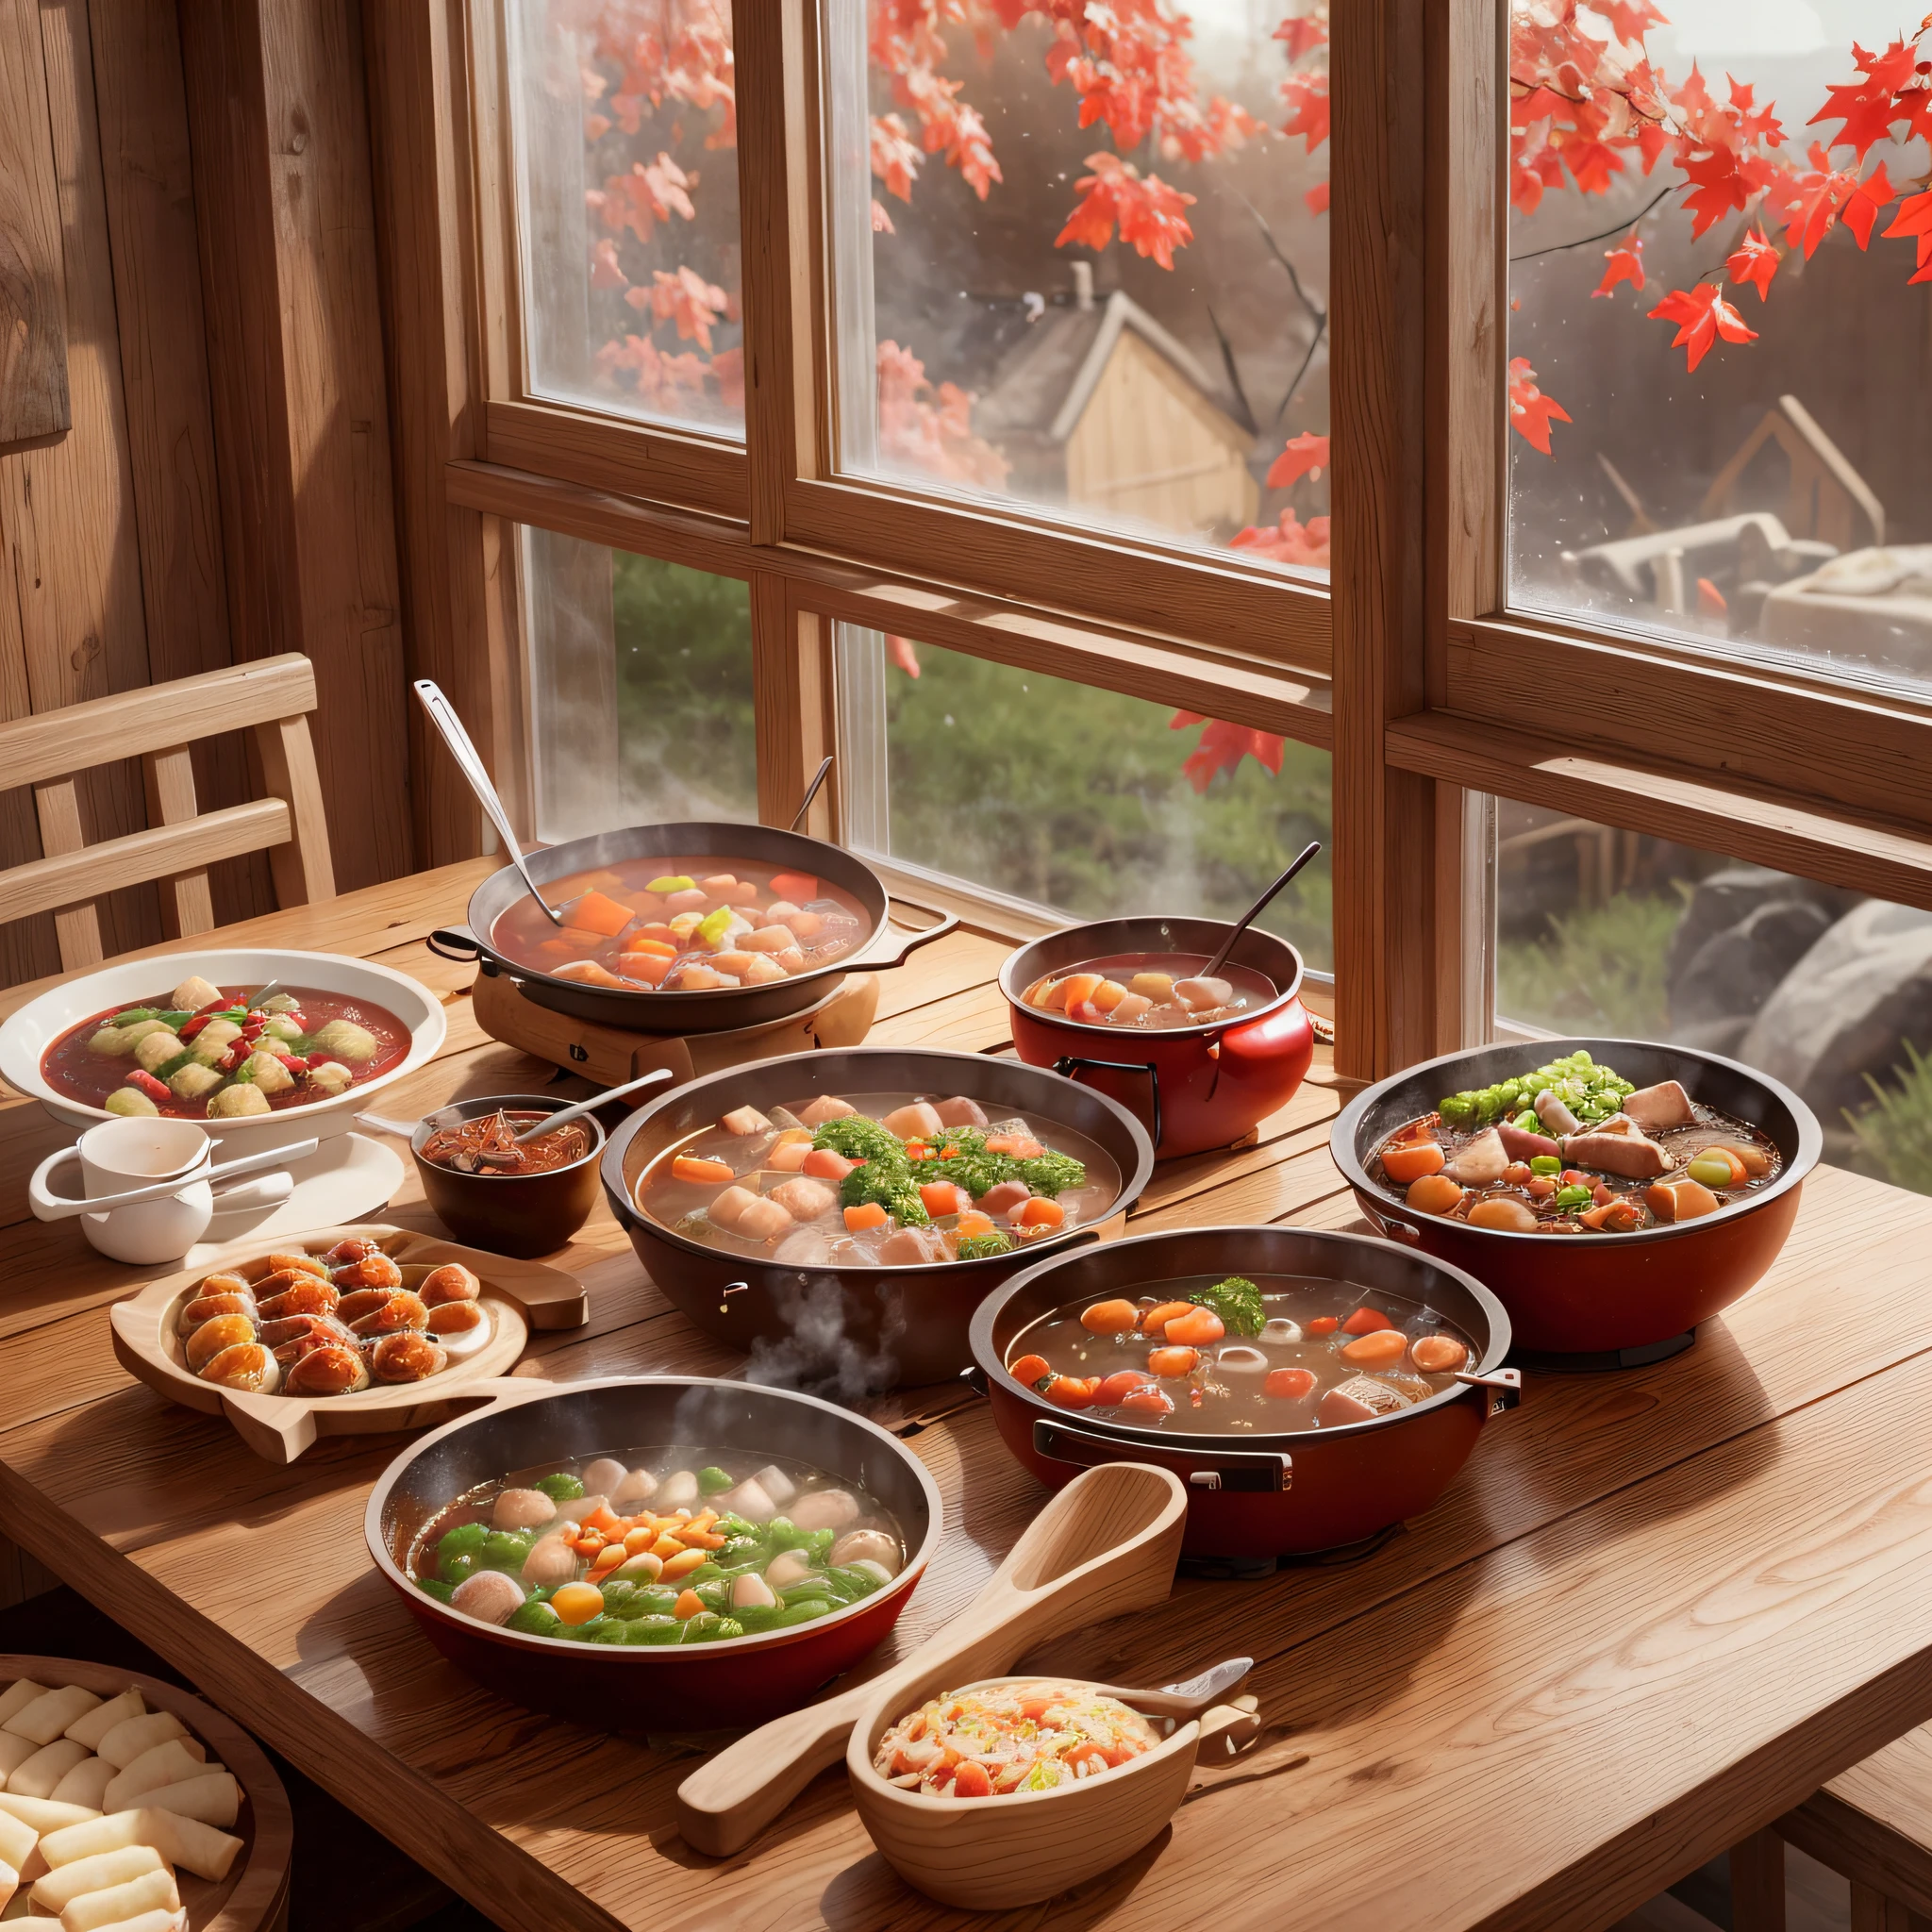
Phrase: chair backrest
x=158 y=722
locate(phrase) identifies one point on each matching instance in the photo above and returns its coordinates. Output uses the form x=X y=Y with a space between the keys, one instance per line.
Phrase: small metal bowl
x=521 y=1214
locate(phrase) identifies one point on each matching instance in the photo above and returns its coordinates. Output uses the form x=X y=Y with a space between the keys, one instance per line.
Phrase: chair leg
x=1757 y=1884
x=1871 y=1911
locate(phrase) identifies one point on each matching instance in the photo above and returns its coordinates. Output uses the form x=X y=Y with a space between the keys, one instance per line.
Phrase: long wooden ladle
x=1107 y=1544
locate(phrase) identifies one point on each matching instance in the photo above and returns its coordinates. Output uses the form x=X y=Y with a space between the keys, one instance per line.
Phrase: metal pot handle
x=1068 y=1061
x=1253 y=1470
x=455 y=942
x=1504 y=1386
x=911 y=941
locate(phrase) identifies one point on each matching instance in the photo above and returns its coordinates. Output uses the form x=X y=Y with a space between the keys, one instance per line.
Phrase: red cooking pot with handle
x=1193 y=1086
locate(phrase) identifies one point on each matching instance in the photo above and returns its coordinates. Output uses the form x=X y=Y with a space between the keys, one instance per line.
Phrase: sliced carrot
x=1365 y=1322
x=638 y=942
x=943 y=1197
x=1029 y=1369
x=1116 y=1388
x=1196 y=1329
x=595 y=912
x=1148 y=1400
x=1075 y=989
x=589 y=1544
x=700 y=1539
x=972 y=1780
x=1156 y=1318
x=688 y=1605
x=667 y=1546
x=868 y=1214
x=828 y=1164
x=638 y=1541
x=1408 y=1160
x=1040 y=1212
x=648 y=967
x=1108 y=1318
x=1073 y=1392
x=1169 y=1362
x=657 y=931
x=1380 y=1349
x=1018 y=1146
x=800 y=886
x=1289 y=1385
x=603 y=1519
x=683 y=1564
x=609 y=1558
x=973 y=1222
x=691 y=1167
x=1324 y=1325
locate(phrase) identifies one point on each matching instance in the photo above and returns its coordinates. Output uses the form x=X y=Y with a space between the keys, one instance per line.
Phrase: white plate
x=27 y=1034
x=349 y=1177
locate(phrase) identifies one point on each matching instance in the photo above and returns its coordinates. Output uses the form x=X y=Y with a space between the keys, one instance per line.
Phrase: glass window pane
x=641 y=693
x=1083 y=801
x=627 y=207
x=1721 y=328
x=1599 y=930
x=1082 y=260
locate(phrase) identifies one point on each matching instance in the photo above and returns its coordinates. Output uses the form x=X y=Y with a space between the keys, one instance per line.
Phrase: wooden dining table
x=1657 y=1609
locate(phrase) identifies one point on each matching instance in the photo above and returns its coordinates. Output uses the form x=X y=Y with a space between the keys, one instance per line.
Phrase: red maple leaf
x=1719 y=188
x=1869 y=107
x=1625 y=265
x=650 y=194
x=1316 y=199
x=1914 y=218
x=1304 y=33
x=1307 y=95
x=1531 y=412
x=1306 y=454
x=605 y=272
x=1633 y=19
x=1291 y=541
x=1861 y=206
x=894 y=154
x=1753 y=259
x=1149 y=213
x=1223 y=746
x=1810 y=203
x=1702 y=315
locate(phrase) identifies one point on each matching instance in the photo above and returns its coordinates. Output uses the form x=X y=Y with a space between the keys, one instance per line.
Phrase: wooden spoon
x=1107 y=1544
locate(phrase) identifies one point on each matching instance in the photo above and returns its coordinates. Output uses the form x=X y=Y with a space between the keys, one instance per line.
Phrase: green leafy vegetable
x=888 y=1181
x=976 y=1247
x=561 y=1488
x=1237 y=1301
x=859 y=1139
x=975 y=1171
x=1052 y=1174
x=959 y=1140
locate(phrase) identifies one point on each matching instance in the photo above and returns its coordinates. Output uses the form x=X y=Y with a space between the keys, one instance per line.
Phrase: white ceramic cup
x=120 y=1155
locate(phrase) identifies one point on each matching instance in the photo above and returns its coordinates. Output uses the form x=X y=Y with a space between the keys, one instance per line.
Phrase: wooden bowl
x=985 y=1853
x=523 y=1214
x=253 y=1897
x=519 y=1296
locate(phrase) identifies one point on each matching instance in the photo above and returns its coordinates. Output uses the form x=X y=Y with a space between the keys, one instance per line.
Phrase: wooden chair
x=269 y=697
x=1873 y=1825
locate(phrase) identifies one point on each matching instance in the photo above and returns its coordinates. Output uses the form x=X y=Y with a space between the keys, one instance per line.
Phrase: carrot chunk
x=1365 y=1322
x=595 y=912
x=638 y=942
x=1030 y=1369
x=691 y=1167
x=1156 y=1318
x=1407 y=1161
x=800 y=886
x=868 y=1215
x=943 y=1197
x=1196 y=1329
x=1040 y=1212
x=1077 y=988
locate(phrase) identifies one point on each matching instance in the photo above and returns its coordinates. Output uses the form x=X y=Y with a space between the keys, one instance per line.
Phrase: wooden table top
x=1655 y=1610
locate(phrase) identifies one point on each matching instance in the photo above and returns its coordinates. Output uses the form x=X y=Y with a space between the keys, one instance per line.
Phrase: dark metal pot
x=1600 y=1300
x=684 y=1013
x=1196 y=1087
x=855 y=1328
x=523 y=1214
x=620 y=1687
x=1254 y=1496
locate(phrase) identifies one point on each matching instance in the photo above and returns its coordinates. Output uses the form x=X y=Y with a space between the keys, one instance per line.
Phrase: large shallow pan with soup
x=760 y=1251
x=1608 y=1244
x=1116 y=1005
x=623 y=965
x=819 y=1526
x=360 y=1026
x=1309 y=1388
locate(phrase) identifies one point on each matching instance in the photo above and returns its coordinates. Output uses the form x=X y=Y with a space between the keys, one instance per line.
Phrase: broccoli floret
x=1237 y=1301
x=959 y=1140
x=859 y=1139
x=1052 y=1174
x=976 y=1172
x=976 y=1247
x=888 y=1181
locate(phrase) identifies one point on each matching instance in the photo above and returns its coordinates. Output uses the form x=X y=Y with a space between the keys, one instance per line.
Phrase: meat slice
x=1666 y=1104
x=960 y=1112
x=826 y=1107
x=1554 y=1115
x=918 y=1119
x=1521 y=1145
x=911 y=1247
x=1620 y=1146
x=1007 y=1197
x=1481 y=1161
x=744 y=1119
x=803 y=1199
x=757 y=1217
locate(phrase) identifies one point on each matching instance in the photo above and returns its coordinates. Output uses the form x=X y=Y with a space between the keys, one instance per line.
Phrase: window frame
x=1409 y=667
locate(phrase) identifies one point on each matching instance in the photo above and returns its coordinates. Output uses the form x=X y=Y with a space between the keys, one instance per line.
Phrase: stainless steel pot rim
x=642 y=1655
x=531 y=1102
x=1012 y=987
x=629 y=1214
x=1344 y=1135
x=991 y=1362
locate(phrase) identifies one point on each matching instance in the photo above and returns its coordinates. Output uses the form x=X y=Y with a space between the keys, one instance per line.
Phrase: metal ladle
x=1248 y=918
x=443 y=714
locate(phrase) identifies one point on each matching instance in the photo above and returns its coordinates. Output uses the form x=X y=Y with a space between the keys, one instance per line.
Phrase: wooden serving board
x=253 y=1897
x=519 y=1296
x=614 y=1054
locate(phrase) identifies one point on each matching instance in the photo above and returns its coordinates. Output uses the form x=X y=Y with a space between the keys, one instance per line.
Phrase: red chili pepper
x=233 y=1058
x=294 y=1062
x=146 y=1083
x=194 y=1027
x=301 y=1020
x=214 y=1007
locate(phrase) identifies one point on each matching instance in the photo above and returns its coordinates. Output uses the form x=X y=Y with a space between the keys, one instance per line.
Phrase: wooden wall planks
x=33 y=330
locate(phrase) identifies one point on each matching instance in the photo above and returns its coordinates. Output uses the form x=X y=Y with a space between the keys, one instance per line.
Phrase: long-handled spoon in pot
x=1248 y=918
x=443 y=714
x=448 y=1116
x=812 y=792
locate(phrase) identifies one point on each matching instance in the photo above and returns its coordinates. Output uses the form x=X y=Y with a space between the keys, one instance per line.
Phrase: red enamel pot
x=1590 y=1301
x=1193 y=1086
x=1252 y=1496
x=616 y=1688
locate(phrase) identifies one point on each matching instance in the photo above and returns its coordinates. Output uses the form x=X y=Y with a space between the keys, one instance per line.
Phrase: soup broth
x=204 y=1052
x=878 y=1181
x=1226 y=1355
x=1573 y=1148
x=1151 y=992
x=488 y=1146
x=658 y=1546
x=684 y=926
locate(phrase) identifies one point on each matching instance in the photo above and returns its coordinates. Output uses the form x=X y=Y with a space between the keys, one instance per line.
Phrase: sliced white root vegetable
x=65 y=1883
x=824 y=1509
x=749 y=1500
x=1281 y=1330
x=775 y=1483
x=752 y=1593
x=214 y=1799
x=788 y=1566
x=135 y=1735
x=46 y=1716
x=1197 y=995
x=1239 y=1359
x=96 y=1724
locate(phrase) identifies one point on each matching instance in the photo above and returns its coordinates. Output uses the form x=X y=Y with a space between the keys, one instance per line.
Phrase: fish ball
x=487 y=1595
x=867 y=1546
x=825 y=1510
x=522 y=1509
x=602 y=1476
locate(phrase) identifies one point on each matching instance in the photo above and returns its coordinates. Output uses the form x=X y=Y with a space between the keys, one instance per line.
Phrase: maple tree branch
x=1317 y=314
x=1287 y=395
x=1234 y=374
x=1583 y=241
